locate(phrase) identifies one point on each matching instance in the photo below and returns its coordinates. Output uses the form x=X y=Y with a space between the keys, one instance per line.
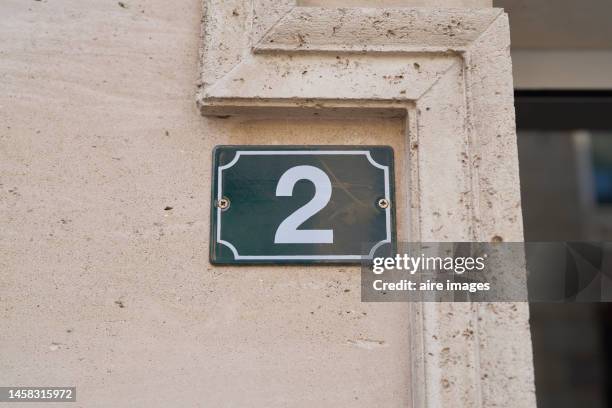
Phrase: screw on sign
x=383 y=203
x=223 y=203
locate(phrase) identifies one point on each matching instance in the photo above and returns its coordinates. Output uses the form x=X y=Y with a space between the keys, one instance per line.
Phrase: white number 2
x=287 y=232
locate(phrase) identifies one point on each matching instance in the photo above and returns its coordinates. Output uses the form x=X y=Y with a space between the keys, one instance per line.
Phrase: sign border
x=272 y=150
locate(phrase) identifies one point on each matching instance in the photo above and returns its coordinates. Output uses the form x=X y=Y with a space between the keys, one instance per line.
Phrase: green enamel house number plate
x=301 y=204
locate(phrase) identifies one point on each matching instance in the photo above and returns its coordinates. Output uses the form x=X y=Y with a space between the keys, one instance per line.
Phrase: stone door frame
x=448 y=73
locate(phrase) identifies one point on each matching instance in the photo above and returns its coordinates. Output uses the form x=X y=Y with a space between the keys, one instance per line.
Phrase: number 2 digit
x=287 y=232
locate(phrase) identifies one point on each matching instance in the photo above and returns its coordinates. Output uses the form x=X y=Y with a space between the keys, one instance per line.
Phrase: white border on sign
x=239 y=153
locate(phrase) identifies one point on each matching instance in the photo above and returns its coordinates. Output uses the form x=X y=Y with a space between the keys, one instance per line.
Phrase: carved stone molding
x=448 y=72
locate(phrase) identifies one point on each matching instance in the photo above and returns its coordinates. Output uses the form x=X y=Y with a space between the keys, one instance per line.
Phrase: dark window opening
x=565 y=156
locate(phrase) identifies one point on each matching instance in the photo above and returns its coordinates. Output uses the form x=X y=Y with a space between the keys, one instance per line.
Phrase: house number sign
x=301 y=204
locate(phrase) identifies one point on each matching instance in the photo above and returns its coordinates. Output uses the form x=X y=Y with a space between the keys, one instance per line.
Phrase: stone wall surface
x=102 y=287
x=104 y=202
x=396 y=3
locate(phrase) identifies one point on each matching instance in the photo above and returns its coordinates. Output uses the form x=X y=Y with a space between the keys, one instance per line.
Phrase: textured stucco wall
x=107 y=288
x=104 y=289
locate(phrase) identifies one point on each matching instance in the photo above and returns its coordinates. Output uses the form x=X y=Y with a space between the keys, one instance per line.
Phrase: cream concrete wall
x=104 y=289
x=562 y=69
